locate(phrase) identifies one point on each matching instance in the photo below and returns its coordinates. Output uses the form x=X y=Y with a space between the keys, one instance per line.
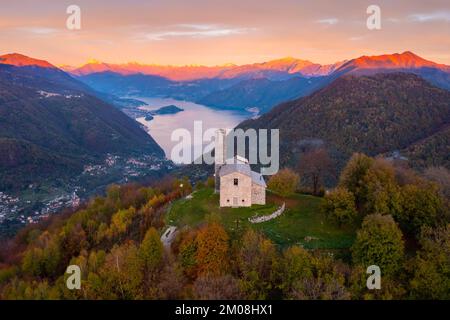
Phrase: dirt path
x=169 y=235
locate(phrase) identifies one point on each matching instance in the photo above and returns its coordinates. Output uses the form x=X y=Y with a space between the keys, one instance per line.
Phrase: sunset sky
x=211 y=32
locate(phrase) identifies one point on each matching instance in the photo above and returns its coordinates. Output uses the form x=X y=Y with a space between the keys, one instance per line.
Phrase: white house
x=237 y=184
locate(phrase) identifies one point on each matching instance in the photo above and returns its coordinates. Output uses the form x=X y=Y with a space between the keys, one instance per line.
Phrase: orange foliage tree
x=212 y=250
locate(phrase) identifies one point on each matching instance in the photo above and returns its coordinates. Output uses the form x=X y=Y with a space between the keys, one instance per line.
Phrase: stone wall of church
x=258 y=194
x=235 y=196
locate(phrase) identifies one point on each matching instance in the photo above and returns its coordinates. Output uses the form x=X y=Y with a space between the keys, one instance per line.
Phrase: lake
x=162 y=126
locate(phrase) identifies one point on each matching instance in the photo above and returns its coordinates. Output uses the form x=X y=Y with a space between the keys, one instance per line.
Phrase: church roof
x=243 y=168
x=258 y=178
x=235 y=167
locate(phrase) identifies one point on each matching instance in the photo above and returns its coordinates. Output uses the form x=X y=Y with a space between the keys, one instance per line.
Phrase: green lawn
x=301 y=223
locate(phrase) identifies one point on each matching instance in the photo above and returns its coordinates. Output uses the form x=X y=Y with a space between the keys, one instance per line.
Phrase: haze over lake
x=162 y=126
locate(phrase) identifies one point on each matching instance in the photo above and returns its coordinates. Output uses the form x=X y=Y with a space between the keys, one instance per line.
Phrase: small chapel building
x=236 y=183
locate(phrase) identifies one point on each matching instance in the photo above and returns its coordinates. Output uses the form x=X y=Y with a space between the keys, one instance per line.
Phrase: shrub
x=421 y=206
x=339 y=205
x=285 y=182
x=379 y=242
x=352 y=177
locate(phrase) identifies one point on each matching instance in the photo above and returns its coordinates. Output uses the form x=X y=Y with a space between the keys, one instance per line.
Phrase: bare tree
x=314 y=166
x=223 y=288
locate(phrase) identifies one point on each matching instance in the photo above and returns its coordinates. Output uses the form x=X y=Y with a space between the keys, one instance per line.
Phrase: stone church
x=236 y=183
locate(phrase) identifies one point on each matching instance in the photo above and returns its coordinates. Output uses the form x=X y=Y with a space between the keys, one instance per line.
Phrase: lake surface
x=162 y=126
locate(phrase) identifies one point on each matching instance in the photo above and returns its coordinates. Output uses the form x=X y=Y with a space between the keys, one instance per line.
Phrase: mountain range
x=258 y=85
x=279 y=69
x=275 y=70
x=438 y=74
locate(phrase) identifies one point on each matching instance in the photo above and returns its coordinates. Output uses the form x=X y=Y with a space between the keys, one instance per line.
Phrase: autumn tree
x=131 y=195
x=7 y=273
x=431 y=267
x=157 y=201
x=325 y=281
x=151 y=253
x=187 y=253
x=171 y=282
x=44 y=258
x=353 y=175
x=120 y=223
x=92 y=286
x=382 y=191
x=28 y=290
x=339 y=204
x=151 y=250
x=149 y=217
x=420 y=206
x=121 y=274
x=392 y=288
x=296 y=265
x=224 y=287
x=212 y=250
x=285 y=182
x=72 y=239
x=314 y=166
x=441 y=176
x=32 y=262
x=379 y=242
x=258 y=265
x=95 y=287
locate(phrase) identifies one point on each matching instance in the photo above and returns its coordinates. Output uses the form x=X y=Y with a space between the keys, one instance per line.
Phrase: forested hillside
x=402 y=220
x=376 y=114
x=53 y=125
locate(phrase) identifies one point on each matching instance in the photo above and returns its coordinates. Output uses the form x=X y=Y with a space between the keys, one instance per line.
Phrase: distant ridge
x=278 y=69
x=20 y=60
x=258 y=86
x=435 y=73
x=405 y=60
x=275 y=69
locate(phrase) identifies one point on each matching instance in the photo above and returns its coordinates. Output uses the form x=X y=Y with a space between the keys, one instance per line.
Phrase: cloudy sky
x=215 y=32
